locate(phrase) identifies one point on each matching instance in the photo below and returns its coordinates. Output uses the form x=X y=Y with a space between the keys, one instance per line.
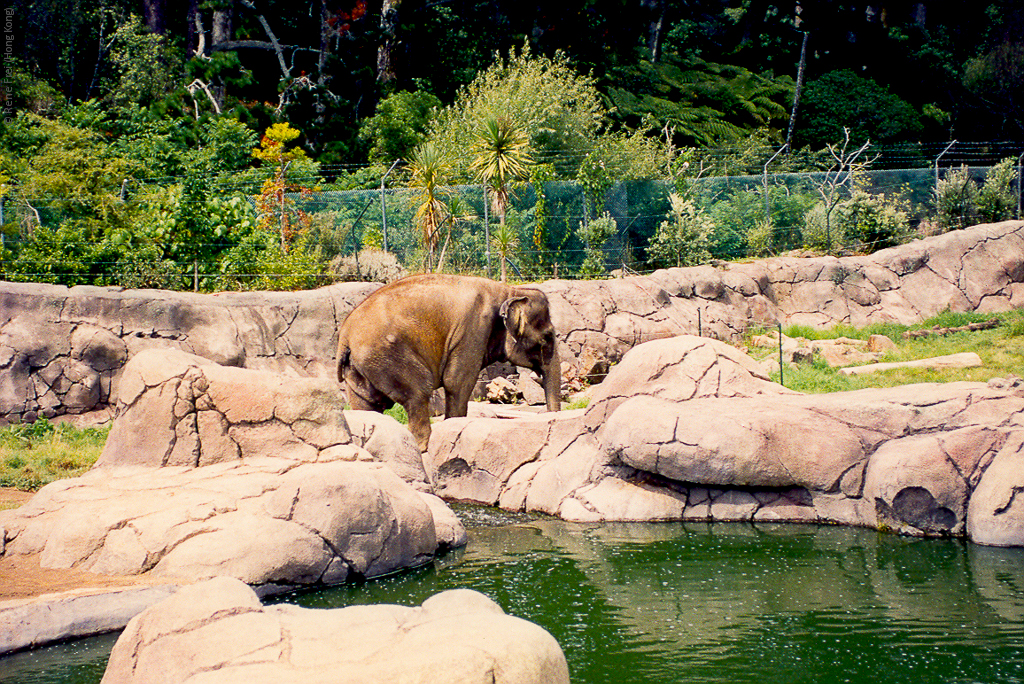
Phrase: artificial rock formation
x=217 y=631
x=178 y=409
x=211 y=471
x=63 y=350
x=268 y=522
x=978 y=269
x=687 y=429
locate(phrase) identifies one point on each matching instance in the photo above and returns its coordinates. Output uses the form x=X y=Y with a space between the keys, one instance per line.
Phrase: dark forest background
x=197 y=143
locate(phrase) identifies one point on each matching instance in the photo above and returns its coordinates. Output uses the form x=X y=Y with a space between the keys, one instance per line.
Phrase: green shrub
x=863 y=222
x=594 y=235
x=760 y=239
x=874 y=221
x=997 y=200
x=956 y=198
x=818 y=234
x=684 y=239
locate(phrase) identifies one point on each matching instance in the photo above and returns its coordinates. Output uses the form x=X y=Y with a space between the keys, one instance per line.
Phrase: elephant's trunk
x=552 y=373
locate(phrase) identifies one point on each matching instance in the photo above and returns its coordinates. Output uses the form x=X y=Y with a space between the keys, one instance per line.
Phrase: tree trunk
x=221 y=32
x=801 y=68
x=223 y=25
x=193 y=36
x=656 y=26
x=156 y=15
x=386 y=53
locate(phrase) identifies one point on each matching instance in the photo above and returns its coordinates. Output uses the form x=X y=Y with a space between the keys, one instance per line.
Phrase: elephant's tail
x=344 y=357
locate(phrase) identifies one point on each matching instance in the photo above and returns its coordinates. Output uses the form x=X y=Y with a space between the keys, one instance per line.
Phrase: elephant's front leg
x=458 y=388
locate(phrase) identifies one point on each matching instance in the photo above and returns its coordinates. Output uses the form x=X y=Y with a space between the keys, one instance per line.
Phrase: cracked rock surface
x=62 y=350
x=211 y=471
x=687 y=429
x=217 y=631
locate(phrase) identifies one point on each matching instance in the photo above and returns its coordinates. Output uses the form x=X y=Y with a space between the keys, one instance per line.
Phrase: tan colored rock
x=843 y=351
x=55 y=360
x=530 y=388
x=266 y=522
x=180 y=409
x=501 y=391
x=52 y=618
x=682 y=430
x=732 y=442
x=210 y=470
x=961 y=360
x=996 y=512
x=881 y=343
x=80 y=338
x=217 y=631
x=679 y=369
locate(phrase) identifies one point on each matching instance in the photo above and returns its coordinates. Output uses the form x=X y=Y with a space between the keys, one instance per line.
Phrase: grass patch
x=1001 y=350
x=398 y=413
x=35 y=454
x=582 y=402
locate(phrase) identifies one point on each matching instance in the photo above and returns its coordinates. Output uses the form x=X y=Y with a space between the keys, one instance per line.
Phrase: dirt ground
x=21 y=577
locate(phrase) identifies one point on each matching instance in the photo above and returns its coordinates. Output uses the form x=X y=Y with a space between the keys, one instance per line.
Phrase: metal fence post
x=383 y=206
x=781 y=381
x=948 y=147
x=487 y=230
x=1020 y=183
x=767 y=207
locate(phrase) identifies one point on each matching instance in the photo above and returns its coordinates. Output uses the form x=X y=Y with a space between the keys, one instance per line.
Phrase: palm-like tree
x=458 y=212
x=499 y=157
x=428 y=167
x=506 y=242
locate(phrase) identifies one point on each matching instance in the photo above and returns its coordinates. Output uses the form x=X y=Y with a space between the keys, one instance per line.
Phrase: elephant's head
x=530 y=341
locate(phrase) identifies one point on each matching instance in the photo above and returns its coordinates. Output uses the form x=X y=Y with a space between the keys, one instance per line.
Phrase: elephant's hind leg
x=362 y=395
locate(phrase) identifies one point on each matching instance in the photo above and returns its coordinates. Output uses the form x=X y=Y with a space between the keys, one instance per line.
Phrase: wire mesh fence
x=347 y=231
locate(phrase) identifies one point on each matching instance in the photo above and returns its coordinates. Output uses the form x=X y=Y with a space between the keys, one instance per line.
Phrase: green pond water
x=708 y=603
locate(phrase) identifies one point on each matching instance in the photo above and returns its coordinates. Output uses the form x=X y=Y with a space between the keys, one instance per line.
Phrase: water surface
x=709 y=603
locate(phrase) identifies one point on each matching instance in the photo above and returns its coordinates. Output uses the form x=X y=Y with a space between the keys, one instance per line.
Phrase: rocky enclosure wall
x=62 y=349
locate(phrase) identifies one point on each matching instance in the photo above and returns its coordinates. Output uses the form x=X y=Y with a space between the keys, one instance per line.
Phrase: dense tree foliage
x=129 y=128
x=711 y=68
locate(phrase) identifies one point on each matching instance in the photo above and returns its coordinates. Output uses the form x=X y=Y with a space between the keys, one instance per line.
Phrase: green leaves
x=399 y=125
x=841 y=99
x=704 y=102
x=500 y=151
x=684 y=238
x=559 y=111
x=429 y=169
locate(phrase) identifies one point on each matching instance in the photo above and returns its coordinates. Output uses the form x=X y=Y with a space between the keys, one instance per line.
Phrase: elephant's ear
x=511 y=312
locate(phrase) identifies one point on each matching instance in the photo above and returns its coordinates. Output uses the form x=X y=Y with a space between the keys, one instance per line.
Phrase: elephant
x=427 y=331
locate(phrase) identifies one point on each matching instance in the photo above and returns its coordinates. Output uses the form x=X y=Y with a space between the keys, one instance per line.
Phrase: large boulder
x=218 y=631
x=270 y=522
x=178 y=409
x=211 y=470
x=687 y=429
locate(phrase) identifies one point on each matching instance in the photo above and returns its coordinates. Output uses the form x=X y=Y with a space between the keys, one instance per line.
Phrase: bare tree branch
x=199 y=85
x=285 y=69
x=201 y=36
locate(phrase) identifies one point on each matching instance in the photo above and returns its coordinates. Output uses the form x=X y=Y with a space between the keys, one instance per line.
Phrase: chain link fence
x=542 y=238
x=548 y=241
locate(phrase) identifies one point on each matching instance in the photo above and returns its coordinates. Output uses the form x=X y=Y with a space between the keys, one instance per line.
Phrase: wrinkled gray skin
x=428 y=331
